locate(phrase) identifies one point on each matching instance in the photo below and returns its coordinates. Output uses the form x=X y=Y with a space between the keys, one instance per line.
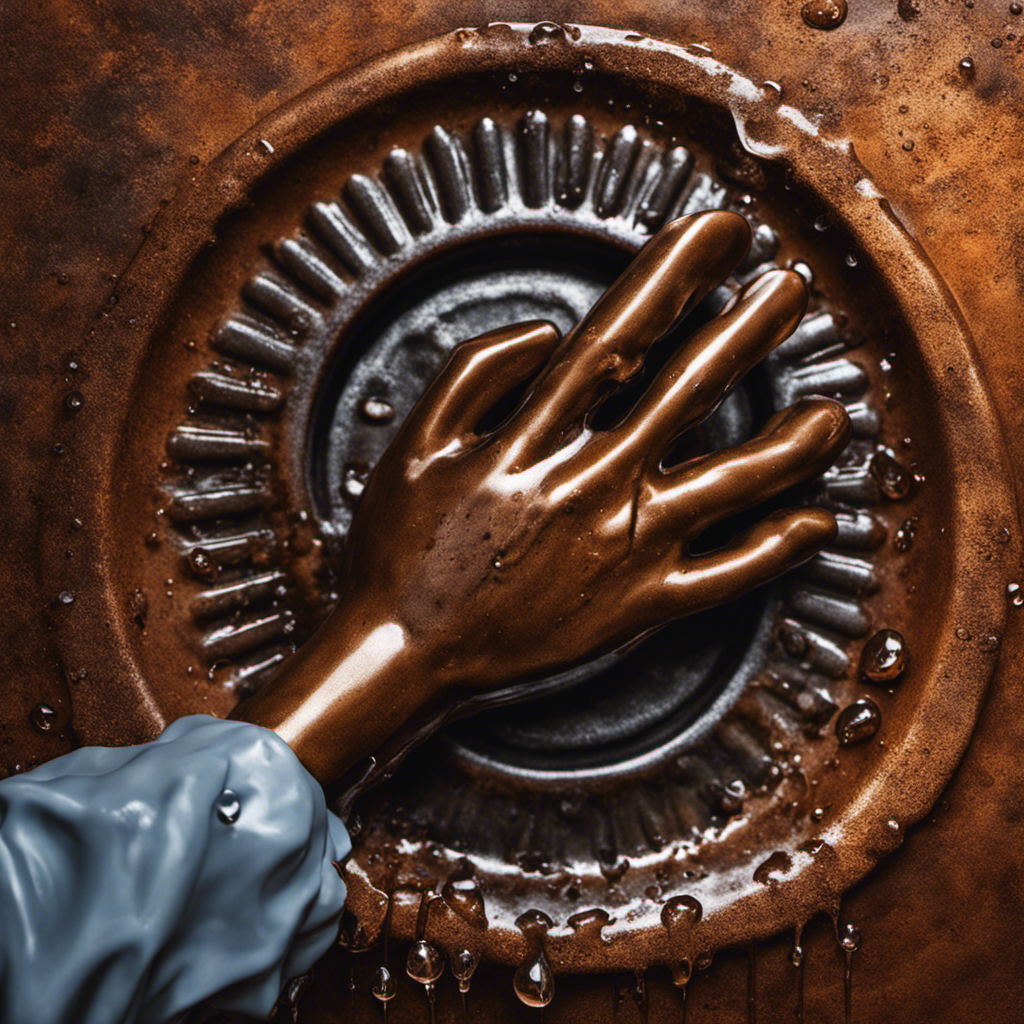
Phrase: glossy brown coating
x=106 y=105
x=478 y=559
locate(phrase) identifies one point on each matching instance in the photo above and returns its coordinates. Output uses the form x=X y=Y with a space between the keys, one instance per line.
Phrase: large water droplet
x=425 y=963
x=463 y=898
x=681 y=912
x=826 y=14
x=858 y=721
x=229 y=807
x=43 y=717
x=534 y=982
x=66 y=597
x=1015 y=594
x=383 y=985
x=883 y=659
x=74 y=401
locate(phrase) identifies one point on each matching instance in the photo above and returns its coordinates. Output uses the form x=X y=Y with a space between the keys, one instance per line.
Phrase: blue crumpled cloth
x=125 y=897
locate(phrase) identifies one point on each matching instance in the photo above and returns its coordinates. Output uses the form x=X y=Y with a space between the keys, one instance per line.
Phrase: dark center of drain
x=615 y=708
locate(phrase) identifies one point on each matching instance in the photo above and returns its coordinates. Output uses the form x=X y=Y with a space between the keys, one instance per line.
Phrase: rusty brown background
x=108 y=107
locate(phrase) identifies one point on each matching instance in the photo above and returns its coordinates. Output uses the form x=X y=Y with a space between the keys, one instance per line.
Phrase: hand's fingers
x=478 y=374
x=795 y=444
x=779 y=543
x=712 y=362
x=674 y=270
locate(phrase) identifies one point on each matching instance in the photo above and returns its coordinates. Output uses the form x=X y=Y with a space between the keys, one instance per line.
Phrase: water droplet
x=590 y=921
x=731 y=798
x=825 y=14
x=228 y=806
x=777 y=864
x=377 y=410
x=356 y=475
x=425 y=963
x=66 y=597
x=997 y=43
x=1015 y=594
x=903 y=539
x=858 y=721
x=513 y=77
x=849 y=938
x=588 y=64
x=967 y=67
x=893 y=479
x=820 y=224
x=817 y=814
x=63 y=278
x=796 y=956
x=264 y=147
x=202 y=563
x=463 y=898
x=681 y=973
x=534 y=982
x=989 y=642
x=851 y=259
x=546 y=32
x=883 y=658
x=43 y=717
x=74 y=401
x=963 y=633
x=383 y=985
x=463 y=966
x=681 y=912
x=908 y=146
x=577 y=86
x=1016 y=8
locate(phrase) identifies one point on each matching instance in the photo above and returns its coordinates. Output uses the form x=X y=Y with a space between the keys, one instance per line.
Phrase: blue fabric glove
x=138 y=881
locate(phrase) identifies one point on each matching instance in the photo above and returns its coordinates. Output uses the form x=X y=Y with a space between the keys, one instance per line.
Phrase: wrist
x=349 y=688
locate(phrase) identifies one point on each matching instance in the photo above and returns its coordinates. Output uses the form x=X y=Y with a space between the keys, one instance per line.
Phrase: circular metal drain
x=279 y=323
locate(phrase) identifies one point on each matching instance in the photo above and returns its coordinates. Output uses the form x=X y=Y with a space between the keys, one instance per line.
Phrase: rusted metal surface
x=99 y=144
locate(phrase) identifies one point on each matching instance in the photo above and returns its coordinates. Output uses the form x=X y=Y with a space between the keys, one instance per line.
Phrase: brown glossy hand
x=479 y=558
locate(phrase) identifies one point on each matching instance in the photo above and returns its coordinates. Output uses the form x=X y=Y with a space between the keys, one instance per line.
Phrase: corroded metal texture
x=101 y=647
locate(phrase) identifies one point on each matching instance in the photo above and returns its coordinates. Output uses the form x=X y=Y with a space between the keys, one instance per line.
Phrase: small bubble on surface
x=377 y=410
x=228 y=806
x=893 y=478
